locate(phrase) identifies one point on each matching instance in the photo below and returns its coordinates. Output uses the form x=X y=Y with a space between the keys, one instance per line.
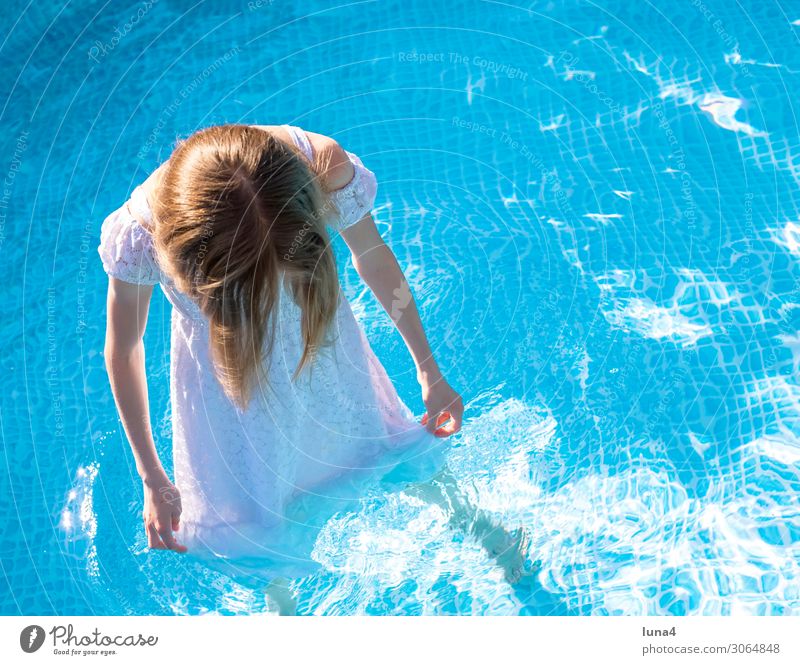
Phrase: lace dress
x=257 y=484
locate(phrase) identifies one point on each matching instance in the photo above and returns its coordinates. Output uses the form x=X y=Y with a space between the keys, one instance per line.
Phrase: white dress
x=256 y=485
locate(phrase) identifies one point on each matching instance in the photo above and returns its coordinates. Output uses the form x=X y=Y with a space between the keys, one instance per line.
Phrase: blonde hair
x=236 y=210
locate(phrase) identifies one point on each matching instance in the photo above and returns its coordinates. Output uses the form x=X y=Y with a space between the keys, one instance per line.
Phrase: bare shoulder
x=331 y=161
x=277 y=131
x=153 y=180
x=150 y=188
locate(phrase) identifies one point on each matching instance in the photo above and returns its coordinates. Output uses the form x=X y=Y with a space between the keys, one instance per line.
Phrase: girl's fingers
x=458 y=415
x=446 y=422
x=169 y=540
x=451 y=428
x=443 y=422
x=428 y=423
x=153 y=539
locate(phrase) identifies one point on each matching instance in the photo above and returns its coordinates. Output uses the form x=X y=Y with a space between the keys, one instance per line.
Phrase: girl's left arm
x=377 y=265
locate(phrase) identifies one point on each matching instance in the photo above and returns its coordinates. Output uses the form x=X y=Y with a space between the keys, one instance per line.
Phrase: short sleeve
x=356 y=198
x=126 y=249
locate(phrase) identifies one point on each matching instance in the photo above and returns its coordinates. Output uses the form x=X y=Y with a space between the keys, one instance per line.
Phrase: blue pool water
x=596 y=205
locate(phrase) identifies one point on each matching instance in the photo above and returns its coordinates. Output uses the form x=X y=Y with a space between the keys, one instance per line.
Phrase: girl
x=280 y=409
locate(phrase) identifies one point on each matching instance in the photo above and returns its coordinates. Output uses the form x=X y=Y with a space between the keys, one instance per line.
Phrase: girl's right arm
x=128 y=306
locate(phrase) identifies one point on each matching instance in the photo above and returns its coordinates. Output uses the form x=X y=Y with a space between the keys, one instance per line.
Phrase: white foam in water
x=784 y=447
x=792 y=342
x=720 y=107
x=723 y=110
x=789 y=237
x=624 y=306
x=480 y=84
x=777 y=397
x=554 y=123
x=403 y=538
x=680 y=91
x=78 y=519
x=581 y=369
x=650 y=320
x=700 y=445
x=635 y=543
x=584 y=74
x=687 y=313
x=604 y=219
x=735 y=58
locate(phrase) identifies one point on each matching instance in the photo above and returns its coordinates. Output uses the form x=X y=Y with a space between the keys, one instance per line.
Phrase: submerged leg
x=280 y=598
x=509 y=550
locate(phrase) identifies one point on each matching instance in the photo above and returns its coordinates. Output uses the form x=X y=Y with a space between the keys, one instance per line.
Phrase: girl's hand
x=162 y=513
x=444 y=407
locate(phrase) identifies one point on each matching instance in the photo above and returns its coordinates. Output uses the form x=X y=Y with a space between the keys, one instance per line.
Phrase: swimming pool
x=596 y=206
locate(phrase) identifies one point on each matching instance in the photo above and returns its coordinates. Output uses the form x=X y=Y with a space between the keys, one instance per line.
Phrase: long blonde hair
x=235 y=208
